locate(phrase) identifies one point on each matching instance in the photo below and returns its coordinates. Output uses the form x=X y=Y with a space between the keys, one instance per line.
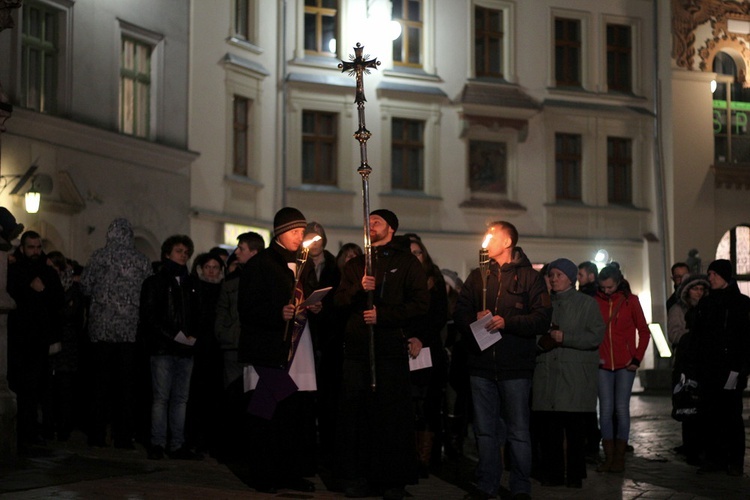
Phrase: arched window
x=735 y=246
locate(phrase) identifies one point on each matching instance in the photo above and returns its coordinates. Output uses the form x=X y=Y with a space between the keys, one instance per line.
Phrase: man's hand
x=368 y=283
x=496 y=323
x=288 y=312
x=557 y=336
x=415 y=345
x=370 y=316
x=315 y=308
x=37 y=285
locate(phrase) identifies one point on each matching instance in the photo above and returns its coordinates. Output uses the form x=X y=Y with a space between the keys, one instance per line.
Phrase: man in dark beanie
x=375 y=445
x=275 y=340
x=720 y=360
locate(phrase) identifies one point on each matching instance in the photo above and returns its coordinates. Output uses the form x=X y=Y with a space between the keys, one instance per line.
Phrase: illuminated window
x=321 y=25
x=735 y=247
x=407 y=48
x=135 y=87
x=39 y=42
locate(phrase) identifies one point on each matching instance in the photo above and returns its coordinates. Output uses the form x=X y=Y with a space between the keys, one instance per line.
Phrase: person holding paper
x=275 y=340
x=518 y=309
x=375 y=440
x=168 y=325
x=720 y=361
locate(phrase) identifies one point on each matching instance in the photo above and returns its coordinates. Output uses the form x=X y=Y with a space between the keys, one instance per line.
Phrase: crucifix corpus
x=358 y=66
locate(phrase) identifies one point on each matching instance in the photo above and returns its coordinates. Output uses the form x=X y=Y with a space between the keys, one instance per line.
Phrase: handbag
x=685 y=400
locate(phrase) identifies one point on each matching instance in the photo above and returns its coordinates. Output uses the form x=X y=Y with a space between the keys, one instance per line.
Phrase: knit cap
x=286 y=219
x=723 y=268
x=567 y=266
x=388 y=216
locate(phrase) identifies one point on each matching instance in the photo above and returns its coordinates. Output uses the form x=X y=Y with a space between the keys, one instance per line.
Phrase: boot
x=609 y=454
x=424 y=451
x=618 y=462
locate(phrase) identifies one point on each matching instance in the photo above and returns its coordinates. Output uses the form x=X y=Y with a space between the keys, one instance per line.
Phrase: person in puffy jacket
x=620 y=354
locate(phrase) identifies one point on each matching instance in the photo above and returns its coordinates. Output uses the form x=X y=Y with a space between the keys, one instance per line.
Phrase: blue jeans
x=501 y=415
x=170 y=384
x=615 y=388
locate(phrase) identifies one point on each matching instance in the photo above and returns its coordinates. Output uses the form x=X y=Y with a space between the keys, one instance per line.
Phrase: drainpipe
x=282 y=68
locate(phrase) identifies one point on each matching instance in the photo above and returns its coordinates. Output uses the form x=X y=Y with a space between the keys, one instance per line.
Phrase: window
x=320 y=27
x=731 y=107
x=488 y=167
x=407 y=48
x=619 y=58
x=567 y=52
x=488 y=42
x=318 y=148
x=242 y=20
x=135 y=87
x=619 y=171
x=241 y=135
x=407 y=154
x=568 y=167
x=39 y=71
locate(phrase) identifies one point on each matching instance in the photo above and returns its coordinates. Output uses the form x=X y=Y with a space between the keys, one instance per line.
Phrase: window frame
x=246 y=40
x=572 y=49
x=63 y=9
x=486 y=134
x=241 y=136
x=635 y=54
x=566 y=158
x=406 y=146
x=156 y=42
x=245 y=84
x=507 y=63
x=585 y=52
x=623 y=165
x=406 y=23
x=320 y=12
x=319 y=140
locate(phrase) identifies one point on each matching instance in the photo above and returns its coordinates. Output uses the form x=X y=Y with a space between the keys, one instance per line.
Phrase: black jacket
x=518 y=293
x=401 y=299
x=265 y=288
x=168 y=307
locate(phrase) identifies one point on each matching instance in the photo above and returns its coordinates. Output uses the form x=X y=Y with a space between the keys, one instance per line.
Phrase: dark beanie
x=723 y=268
x=387 y=216
x=316 y=228
x=567 y=266
x=286 y=219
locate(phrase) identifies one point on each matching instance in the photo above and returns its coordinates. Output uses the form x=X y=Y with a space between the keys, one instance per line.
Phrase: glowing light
x=660 y=340
x=713 y=86
x=306 y=244
x=486 y=241
x=394 y=30
x=32 y=201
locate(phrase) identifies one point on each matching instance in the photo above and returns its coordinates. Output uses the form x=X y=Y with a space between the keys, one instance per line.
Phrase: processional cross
x=358 y=66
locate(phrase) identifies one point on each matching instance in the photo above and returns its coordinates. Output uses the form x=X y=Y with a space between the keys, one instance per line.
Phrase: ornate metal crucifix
x=358 y=66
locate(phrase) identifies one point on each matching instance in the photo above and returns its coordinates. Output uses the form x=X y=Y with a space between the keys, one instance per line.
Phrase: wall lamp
x=39 y=183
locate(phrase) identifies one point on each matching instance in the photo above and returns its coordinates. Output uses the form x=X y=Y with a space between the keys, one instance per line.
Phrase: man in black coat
x=375 y=448
x=32 y=327
x=501 y=374
x=275 y=340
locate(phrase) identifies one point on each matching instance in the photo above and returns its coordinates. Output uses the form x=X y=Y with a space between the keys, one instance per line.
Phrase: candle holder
x=301 y=260
x=484 y=268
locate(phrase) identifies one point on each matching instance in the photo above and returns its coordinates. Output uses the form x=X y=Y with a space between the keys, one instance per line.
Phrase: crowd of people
x=289 y=360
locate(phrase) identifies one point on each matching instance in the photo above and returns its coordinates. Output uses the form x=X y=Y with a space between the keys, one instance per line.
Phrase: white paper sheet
x=423 y=360
x=484 y=338
x=731 y=381
x=315 y=297
x=182 y=339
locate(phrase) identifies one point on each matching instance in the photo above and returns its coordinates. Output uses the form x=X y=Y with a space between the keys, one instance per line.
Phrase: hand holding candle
x=484 y=268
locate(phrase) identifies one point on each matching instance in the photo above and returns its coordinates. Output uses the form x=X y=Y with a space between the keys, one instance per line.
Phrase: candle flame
x=486 y=241
x=309 y=242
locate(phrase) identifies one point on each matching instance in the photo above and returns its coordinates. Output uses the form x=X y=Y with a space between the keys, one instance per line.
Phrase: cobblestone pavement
x=74 y=471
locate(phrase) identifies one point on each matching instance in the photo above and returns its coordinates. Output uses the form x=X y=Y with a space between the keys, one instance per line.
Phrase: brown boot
x=424 y=451
x=618 y=462
x=609 y=454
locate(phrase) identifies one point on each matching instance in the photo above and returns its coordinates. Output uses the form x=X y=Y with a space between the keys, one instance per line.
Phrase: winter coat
x=622 y=316
x=720 y=330
x=112 y=280
x=518 y=293
x=566 y=378
x=400 y=297
x=167 y=308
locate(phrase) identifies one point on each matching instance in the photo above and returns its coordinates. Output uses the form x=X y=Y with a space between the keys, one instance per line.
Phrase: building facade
x=99 y=90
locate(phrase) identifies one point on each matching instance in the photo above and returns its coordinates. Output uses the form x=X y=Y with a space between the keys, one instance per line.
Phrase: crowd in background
x=131 y=351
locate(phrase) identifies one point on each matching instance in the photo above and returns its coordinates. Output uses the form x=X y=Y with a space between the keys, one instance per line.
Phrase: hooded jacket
x=113 y=279
x=623 y=316
x=518 y=293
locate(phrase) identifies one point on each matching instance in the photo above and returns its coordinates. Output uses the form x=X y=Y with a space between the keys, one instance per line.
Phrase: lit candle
x=484 y=268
